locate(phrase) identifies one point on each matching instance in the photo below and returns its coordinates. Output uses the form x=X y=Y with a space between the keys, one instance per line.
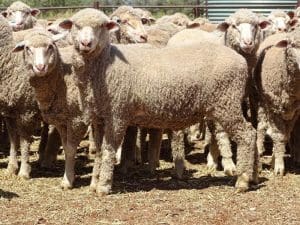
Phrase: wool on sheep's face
x=40 y=54
x=17 y=19
x=132 y=27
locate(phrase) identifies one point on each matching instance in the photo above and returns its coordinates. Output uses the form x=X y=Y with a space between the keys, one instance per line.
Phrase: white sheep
x=110 y=92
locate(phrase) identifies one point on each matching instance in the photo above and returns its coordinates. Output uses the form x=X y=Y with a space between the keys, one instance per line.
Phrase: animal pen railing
x=215 y=10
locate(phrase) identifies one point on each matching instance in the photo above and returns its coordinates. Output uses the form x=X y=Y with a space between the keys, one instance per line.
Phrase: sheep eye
x=50 y=48
x=234 y=26
x=144 y=21
x=28 y=50
x=77 y=26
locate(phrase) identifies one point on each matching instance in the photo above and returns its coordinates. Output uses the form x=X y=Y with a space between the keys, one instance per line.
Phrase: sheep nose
x=144 y=37
x=248 y=42
x=86 y=43
x=41 y=67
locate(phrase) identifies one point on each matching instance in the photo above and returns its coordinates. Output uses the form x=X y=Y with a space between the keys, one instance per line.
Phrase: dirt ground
x=141 y=199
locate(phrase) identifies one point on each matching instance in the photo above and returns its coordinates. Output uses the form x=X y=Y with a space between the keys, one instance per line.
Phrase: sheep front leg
x=25 y=168
x=262 y=127
x=213 y=154
x=70 y=152
x=113 y=136
x=14 y=139
x=98 y=133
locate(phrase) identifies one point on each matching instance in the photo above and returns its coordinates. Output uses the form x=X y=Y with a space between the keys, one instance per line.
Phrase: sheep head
x=40 y=52
x=18 y=14
x=244 y=28
x=90 y=30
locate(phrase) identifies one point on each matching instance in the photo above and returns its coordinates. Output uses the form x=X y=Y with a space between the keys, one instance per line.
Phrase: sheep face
x=244 y=35
x=132 y=28
x=281 y=21
x=40 y=53
x=19 y=15
x=89 y=36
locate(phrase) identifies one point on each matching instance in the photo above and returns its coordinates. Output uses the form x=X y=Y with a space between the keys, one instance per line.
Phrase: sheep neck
x=46 y=89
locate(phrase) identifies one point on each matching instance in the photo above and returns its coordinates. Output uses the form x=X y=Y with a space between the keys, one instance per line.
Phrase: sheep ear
x=34 y=12
x=112 y=26
x=19 y=47
x=223 y=26
x=193 y=25
x=293 y=22
x=264 y=24
x=4 y=14
x=49 y=23
x=66 y=24
x=291 y=14
x=283 y=44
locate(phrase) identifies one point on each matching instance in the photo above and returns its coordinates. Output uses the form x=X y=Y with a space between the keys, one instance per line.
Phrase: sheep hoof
x=103 y=190
x=229 y=167
x=12 y=169
x=211 y=170
x=242 y=183
x=66 y=185
x=25 y=172
x=279 y=167
x=24 y=176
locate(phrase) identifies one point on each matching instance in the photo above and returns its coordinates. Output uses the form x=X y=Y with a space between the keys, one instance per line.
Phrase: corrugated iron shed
x=218 y=10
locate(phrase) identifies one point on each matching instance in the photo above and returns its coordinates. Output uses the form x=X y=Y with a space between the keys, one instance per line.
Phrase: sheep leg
x=52 y=148
x=245 y=137
x=43 y=143
x=138 y=149
x=14 y=138
x=213 y=154
x=279 y=141
x=224 y=145
x=155 y=138
x=70 y=152
x=262 y=127
x=25 y=168
x=92 y=145
x=178 y=152
x=113 y=136
x=128 y=149
x=142 y=135
x=98 y=133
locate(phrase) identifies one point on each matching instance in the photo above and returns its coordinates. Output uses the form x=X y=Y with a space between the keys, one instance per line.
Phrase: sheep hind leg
x=178 y=152
x=213 y=153
x=279 y=142
x=25 y=168
x=155 y=139
x=224 y=145
x=52 y=148
x=14 y=139
x=245 y=137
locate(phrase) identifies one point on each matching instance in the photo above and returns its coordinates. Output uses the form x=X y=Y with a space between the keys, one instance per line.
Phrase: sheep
x=198 y=81
x=202 y=24
x=51 y=75
x=294 y=143
x=276 y=79
x=280 y=22
x=20 y=16
x=178 y=19
x=131 y=27
x=159 y=34
x=145 y=15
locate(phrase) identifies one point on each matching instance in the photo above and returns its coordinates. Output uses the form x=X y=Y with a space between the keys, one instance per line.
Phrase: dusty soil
x=141 y=199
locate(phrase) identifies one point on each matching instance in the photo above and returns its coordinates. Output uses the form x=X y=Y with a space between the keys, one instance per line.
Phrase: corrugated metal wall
x=218 y=10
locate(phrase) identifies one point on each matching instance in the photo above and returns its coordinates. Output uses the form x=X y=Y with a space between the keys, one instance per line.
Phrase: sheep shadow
x=8 y=195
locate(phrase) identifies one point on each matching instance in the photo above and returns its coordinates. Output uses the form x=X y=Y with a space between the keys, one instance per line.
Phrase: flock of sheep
x=237 y=81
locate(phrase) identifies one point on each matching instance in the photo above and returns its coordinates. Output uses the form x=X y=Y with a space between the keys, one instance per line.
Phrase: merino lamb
x=197 y=82
x=17 y=104
x=20 y=16
x=56 y=92
x=277 y=82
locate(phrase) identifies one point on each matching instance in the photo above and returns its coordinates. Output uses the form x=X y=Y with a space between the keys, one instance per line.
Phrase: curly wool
x=19 y=6
x=243 y=16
